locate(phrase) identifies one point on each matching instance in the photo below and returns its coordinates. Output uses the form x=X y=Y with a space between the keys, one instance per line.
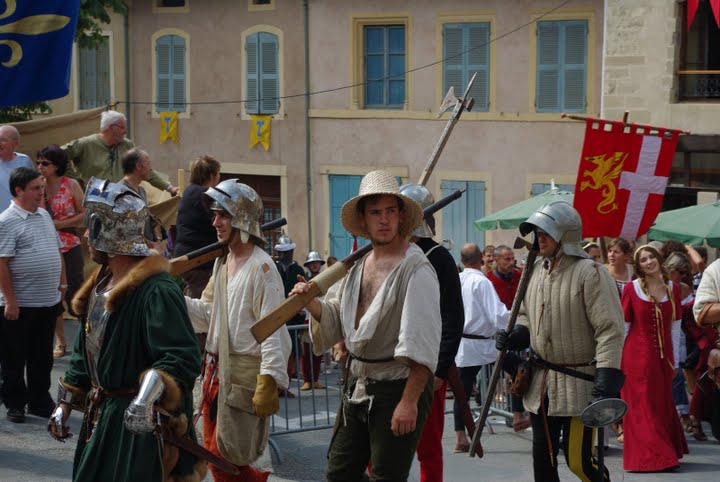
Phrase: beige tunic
x=402 y=322
x=709 y=289
x=253 y=292
x=574 y=316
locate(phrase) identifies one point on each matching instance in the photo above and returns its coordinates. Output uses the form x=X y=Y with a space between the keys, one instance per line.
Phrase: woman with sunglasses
x=63 y=200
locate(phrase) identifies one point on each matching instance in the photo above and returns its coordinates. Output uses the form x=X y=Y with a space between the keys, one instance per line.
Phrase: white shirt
x=485 y=314
x=255 y=290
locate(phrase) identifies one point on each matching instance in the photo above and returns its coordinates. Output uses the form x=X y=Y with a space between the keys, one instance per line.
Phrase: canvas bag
x=241 y=436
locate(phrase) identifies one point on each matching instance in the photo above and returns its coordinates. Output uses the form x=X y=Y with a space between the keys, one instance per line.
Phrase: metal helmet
x=313 y=256
x=115 y=217
x=562 y=223
x=242 y=203
x=421 y=195
x=284 y=243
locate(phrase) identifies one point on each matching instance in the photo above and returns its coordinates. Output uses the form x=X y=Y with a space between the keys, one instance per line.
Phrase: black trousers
x=467 y=378
x=26 y=345
x=577 y=445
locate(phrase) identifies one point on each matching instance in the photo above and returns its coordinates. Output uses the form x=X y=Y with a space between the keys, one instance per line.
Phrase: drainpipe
x=308 y=163
x=604 y=54
x=126 y=41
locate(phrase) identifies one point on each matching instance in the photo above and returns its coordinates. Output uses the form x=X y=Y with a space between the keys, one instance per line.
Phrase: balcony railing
x=699 y=84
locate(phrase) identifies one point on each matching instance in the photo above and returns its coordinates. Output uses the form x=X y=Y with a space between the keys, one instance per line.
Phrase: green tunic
x=151 y=329
x=92 y=157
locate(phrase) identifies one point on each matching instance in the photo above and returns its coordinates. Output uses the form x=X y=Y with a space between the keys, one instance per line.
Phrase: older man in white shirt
x=484 y=315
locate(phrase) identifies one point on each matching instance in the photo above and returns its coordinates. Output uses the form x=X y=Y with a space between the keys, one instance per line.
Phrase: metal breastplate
x=95 y=325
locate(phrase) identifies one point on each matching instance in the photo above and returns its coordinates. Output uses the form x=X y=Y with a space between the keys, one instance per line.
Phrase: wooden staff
x=204 y=255
x=519 y=297
x=273 y=321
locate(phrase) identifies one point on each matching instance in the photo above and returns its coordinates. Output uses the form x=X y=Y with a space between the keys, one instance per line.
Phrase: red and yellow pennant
x=622 y=177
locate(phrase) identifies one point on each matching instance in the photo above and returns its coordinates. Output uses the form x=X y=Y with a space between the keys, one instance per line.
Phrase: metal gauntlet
x=140 y=416
x=74 y=399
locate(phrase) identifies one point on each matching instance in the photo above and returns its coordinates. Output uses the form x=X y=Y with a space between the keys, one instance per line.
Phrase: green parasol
x=512 y=216
x=691 y=225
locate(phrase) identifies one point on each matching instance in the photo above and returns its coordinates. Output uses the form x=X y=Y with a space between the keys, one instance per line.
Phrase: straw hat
x=380 y=182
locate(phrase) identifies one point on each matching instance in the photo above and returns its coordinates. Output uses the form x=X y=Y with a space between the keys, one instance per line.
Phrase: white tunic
x=485 y=314
x=254 y=291
x=414 y=306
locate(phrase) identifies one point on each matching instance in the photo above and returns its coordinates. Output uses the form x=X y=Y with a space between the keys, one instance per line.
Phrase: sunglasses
x=44 y=163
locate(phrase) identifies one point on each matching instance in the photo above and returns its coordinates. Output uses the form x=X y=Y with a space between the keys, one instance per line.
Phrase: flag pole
x=625 y=123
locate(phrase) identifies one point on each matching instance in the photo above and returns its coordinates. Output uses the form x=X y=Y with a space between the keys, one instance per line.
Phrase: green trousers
x=367 y=436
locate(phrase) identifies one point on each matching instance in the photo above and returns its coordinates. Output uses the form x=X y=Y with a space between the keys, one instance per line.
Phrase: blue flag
x=36 y=39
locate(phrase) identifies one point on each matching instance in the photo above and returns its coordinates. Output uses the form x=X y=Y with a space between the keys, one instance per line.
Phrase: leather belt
x=565 y=368
x=477 y=337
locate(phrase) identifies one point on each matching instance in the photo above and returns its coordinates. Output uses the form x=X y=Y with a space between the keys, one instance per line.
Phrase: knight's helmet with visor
x=242 y=203
x=115 y=218
x=421 y=195
x=562 y=223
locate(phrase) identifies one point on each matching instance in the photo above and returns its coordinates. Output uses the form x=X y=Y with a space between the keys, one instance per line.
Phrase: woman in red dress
x=654 y=437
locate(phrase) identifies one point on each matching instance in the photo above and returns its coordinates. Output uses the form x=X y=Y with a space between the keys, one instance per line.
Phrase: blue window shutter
x=251 y=71
x=269 y=78
x=178 y=74
x=342 y=188
x=547 y=91
x=374 y=66
x=396 y=65
x=561 y=66
x=453 y=65
x=458 y=217
x=170 y=53
x=575 y=66
x=163 y=49
x=478 y=60
x=467 y=51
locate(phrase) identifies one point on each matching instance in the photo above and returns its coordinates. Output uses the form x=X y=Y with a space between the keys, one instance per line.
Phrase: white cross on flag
x=622 y=177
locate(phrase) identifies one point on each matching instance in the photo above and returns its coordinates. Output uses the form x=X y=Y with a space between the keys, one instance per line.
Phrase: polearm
x=274 y=320
x=519 y=297
x=204 y=255
x=460 y=105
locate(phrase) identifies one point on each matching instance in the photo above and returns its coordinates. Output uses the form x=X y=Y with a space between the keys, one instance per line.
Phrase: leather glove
x=608 y=382
x=517 y=339
x=265 y=401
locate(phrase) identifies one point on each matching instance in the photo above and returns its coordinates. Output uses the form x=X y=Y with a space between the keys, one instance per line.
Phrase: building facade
x=377 y=72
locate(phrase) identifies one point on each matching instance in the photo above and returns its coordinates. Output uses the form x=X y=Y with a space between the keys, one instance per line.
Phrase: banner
x=168 y=126
x=622 y=178
x=260 y=131
x=36 y=39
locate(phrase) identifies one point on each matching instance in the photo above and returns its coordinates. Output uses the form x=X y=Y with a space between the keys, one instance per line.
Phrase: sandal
x=621 y=435
x=697 y=431
x=462 y=448
x=59 y=351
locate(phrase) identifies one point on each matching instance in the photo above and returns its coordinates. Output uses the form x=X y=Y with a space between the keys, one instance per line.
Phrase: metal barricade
x=310 y=405
x=500 y=404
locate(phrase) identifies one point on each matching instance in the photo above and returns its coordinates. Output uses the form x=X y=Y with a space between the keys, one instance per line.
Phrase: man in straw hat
x=242 y=378
x=387 y=309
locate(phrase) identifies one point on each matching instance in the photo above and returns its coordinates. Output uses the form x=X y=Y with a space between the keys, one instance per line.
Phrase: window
x=94 y=76
x=384 y=72
x=561 y=77
x=261 y=5
x=466 y=50
x=699 y=55
x=170 y=3
x=171 y=65
x=263 y=89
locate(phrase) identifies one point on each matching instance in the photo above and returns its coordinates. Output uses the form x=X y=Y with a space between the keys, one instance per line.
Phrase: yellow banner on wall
x=168 y=126
x=260 y=130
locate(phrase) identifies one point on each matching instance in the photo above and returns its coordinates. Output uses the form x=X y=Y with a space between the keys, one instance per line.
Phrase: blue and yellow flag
x=36 y=39
x=168 y=126
x=260 y=131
